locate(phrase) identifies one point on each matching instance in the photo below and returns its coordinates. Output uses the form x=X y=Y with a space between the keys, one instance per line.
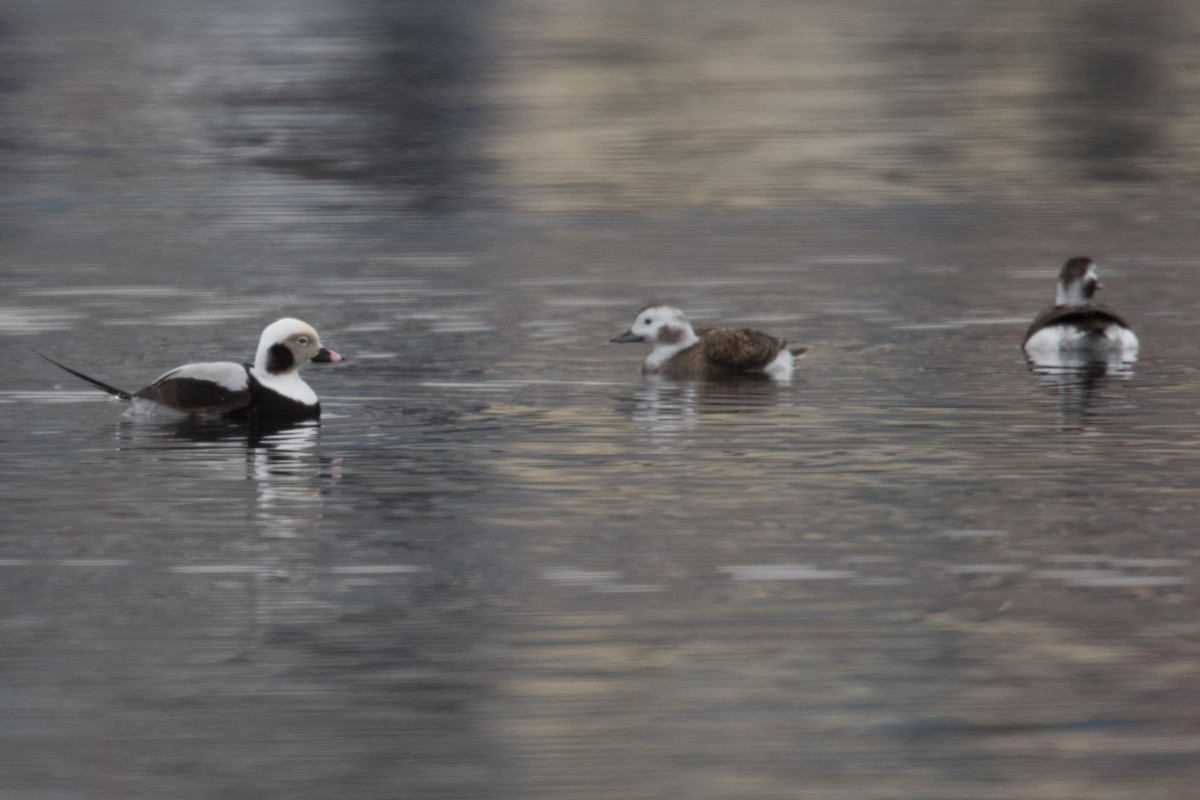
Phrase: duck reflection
x=287 y=473
x=664 y=407
x=1078 y=381
x=279 y=458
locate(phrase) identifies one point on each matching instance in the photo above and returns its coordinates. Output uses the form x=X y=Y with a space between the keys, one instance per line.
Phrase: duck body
x=1091 y=326
x=683 y=352
x=270 y=388
x=1076 y=325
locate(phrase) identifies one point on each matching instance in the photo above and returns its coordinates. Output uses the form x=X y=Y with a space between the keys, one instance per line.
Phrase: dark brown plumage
x=726 y=352
x=1092 y=318
x=195 y=396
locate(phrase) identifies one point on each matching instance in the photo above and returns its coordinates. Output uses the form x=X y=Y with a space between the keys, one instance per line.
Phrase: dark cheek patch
x=670 y=335
x=280 y=359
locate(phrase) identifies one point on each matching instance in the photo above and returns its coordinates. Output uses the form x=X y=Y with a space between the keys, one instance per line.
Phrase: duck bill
x=327 y=356
x=626 y=338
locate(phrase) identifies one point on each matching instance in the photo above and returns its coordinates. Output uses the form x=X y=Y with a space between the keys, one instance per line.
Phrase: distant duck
x=1076 y=325
x=679 y=351
x=268 y=389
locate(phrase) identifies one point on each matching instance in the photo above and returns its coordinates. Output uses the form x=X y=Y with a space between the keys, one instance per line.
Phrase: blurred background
x=524 y=106
x=505 y=564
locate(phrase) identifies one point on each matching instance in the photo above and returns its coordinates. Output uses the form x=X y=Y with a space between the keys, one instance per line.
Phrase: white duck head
x=665 y=328
x=287 y=345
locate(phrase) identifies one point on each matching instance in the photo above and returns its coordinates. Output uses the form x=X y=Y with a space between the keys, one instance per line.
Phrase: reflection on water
x=30 y=321
x=281 y=463
x=507 y=565
x=665 y=408
x=1116 y=72
x=289 y=475
x=779 y=104
x=283 y=112
x=1078 y=381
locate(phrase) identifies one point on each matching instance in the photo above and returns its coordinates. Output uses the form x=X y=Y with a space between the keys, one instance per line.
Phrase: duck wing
x=207 y=388
x=1087 y=318
x=739 y=349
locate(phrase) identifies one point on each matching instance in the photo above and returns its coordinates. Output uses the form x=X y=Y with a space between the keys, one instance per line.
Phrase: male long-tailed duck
x=679 y=351
x=270 y=388
x=1074 y=324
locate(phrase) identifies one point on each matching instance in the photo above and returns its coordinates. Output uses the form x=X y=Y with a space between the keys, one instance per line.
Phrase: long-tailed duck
x=1075 y=324
x=270 y=388
x=679 y=351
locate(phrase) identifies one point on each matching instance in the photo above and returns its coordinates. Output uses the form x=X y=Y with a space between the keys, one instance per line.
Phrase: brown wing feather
x=195 y=396
x=1091 y=317
x=740 y=349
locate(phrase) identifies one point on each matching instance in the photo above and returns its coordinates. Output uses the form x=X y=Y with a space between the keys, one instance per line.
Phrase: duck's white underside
x=1067 y=338
x=143 y=408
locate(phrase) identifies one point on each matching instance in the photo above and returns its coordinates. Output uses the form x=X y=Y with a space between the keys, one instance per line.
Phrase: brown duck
x=680 y=351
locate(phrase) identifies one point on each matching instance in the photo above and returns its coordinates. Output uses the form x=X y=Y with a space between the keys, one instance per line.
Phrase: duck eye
x=647 y=321
x=303 y=340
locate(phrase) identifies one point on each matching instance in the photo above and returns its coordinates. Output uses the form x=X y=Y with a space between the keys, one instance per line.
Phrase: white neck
x=260 y=361
x=663 y=351
x=289 y=384
x=1069 y=295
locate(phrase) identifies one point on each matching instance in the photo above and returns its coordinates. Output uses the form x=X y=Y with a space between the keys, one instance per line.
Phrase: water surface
x=507 y=565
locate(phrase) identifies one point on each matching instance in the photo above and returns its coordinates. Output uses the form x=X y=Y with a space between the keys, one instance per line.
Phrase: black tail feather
x=114 y=391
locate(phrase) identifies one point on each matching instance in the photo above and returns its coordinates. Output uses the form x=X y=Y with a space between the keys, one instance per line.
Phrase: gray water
x=507 y=565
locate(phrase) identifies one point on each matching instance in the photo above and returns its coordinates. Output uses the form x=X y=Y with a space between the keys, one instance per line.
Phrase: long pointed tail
x=121 y=393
